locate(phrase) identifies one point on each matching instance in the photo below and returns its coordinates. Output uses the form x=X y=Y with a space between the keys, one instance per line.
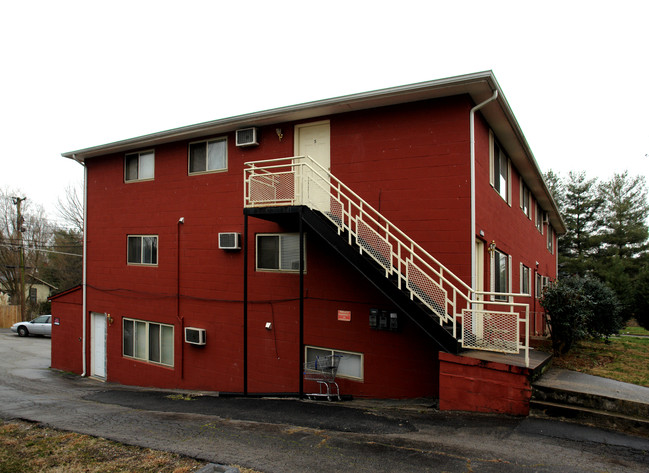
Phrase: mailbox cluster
x=385 y=320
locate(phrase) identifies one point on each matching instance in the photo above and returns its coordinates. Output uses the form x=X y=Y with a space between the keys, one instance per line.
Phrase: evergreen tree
x=556 y=187
x=623 y=237
x=581 y=213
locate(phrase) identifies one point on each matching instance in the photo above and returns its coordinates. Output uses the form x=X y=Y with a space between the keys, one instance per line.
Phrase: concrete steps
x=591 y=400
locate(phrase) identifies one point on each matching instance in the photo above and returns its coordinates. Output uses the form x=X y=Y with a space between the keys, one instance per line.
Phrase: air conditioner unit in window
x=229 y=241
x=195 y=336
x=247 y=137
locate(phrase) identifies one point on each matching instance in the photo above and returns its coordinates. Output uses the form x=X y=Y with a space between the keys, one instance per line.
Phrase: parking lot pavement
x=290 y=435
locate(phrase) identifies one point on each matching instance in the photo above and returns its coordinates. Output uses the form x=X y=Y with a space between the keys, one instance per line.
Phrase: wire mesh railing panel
x=490 y=330
x=426 y=289
x=374 y=244
x=271 y=188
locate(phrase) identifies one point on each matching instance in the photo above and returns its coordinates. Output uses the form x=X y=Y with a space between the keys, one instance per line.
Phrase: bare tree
x=70 y=207
x=19 y=241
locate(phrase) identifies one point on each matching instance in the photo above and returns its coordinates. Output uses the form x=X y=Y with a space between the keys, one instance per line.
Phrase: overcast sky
x=76 y=74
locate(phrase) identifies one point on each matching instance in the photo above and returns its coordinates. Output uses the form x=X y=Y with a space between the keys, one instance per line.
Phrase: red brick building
x=403 y=192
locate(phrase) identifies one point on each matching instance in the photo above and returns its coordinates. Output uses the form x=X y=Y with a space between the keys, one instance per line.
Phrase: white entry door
x=98 y=345
x=313 y=139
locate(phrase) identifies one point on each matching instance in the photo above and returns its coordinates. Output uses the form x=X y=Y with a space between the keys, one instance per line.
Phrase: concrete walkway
x=593 y=385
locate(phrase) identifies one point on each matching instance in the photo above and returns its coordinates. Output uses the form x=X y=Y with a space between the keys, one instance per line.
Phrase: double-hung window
x=538 y=286
x=148 y=341
x=139 y=166
x=142 y=249
x=500 y=274
x=525 y=280
x=279 y=252
x=207 y=156
x=539 y=218
x=525 y=200
x=550 y=239
x=499 y=169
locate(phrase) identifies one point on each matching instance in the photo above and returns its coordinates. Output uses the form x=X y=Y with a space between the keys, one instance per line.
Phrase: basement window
x=148 y=341
x=351 y=363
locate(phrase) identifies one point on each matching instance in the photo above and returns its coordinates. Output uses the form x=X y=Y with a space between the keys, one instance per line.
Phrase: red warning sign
x=345 y=315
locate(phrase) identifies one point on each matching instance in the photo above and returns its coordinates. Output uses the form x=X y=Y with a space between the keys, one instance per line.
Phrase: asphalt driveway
x=293 y=436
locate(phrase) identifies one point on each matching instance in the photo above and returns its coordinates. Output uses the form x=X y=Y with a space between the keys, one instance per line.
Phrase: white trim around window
x=501 y=270
x=142 y=250
x=351 y=363
x=525 y=199
x=500 y=170
x=279 y=252
x=151 y=342
x=207 y=156
x=538 y=218
x=139 y=166
x=525 y=279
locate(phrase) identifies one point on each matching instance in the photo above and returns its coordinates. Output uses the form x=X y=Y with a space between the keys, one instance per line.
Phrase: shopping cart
x=323 y=371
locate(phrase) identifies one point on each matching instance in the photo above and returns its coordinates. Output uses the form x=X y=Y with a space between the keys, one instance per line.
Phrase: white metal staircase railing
x=489 y=321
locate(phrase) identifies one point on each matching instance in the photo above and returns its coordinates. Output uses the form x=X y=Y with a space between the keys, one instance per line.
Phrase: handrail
x=300 y=180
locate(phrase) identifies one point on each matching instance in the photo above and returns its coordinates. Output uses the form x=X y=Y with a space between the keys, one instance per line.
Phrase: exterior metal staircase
x=439 y=302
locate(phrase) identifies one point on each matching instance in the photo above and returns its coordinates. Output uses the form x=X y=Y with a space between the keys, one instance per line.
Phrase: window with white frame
x=550 y=239
x=279 y=252
x=139 y=166
x=142 y=249
x=207 y=156
x=538 y=217
x=525 y=279
x=500 y=169
x=539 y=286
x=525 y=199
x=350 y=365
x=500 y=274
x=148 y=341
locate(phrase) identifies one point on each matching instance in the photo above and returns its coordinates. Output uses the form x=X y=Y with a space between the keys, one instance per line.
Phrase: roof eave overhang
x=479 y=86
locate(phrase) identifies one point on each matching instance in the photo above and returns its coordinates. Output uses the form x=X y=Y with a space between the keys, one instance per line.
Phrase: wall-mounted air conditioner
x=229 y=241
x=247 y=137
x=195 y=336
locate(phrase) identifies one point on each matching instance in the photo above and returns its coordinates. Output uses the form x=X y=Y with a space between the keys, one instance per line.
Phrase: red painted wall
x=410 y=161
x=467 y=384
x=67 y=331
x=513 y=232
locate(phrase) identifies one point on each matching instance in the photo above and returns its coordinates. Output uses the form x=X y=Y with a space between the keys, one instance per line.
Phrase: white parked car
x=41 y=325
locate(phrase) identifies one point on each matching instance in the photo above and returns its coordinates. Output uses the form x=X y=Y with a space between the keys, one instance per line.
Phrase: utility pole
x=19 y=231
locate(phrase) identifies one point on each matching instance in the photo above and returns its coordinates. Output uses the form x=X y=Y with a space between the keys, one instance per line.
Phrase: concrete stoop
x=591 y=400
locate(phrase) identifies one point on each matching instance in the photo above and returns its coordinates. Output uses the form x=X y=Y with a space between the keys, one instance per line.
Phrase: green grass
x=635 y=331
x=624 y=359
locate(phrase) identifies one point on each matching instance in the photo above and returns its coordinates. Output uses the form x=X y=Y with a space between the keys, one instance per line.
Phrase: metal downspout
x=84 y=264
x=473 y=226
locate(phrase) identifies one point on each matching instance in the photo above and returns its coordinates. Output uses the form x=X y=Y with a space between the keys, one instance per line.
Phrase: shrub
x=578 y=307
x=642 y=299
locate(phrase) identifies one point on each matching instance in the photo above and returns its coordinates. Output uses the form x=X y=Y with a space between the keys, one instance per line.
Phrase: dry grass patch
x=28 y=447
